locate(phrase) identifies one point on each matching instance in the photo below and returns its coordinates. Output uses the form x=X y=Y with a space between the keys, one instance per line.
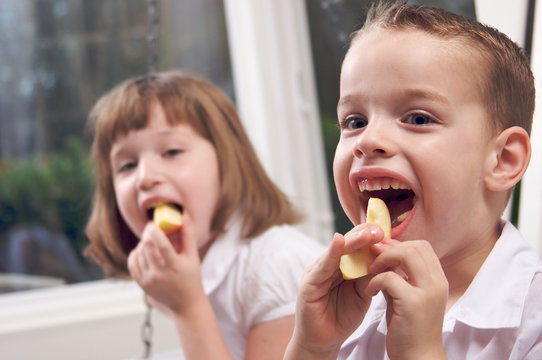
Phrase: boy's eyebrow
x=411 y=93
x=426 y=94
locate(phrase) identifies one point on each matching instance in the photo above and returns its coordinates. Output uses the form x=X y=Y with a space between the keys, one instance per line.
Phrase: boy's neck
x=461 y=270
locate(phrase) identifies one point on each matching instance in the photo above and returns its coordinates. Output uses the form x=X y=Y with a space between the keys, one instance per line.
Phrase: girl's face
x=166 y=164
x=415 y=132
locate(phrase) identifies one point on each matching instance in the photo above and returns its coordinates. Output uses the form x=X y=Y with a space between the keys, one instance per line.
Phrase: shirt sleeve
x=273 y=274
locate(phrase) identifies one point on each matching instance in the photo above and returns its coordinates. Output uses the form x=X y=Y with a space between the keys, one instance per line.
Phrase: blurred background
x=279 y=61
x=58 y=56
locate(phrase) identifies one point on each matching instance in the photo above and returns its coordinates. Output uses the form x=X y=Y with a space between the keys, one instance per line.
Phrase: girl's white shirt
x=498 y=317
x=250 y=281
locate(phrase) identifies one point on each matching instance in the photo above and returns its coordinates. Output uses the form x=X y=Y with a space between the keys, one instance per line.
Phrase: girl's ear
x=509 y=159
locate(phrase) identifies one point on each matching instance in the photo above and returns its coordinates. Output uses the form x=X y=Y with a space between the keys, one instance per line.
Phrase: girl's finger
x=158 y=249
x=133 y=266
x=153 y=255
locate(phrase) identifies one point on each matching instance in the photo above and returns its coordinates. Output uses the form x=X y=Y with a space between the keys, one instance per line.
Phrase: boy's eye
x=418 y=119
x=354 y=123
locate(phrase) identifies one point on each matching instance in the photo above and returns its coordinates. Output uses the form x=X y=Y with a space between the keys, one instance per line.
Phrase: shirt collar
x=496 y=295
x=221 y=255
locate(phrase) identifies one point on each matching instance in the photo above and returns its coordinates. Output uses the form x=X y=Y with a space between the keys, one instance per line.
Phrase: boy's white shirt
x=249 y=281
x=498 y=317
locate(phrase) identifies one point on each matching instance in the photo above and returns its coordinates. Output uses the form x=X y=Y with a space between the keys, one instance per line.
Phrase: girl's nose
x=375 y=140
x=148 y=174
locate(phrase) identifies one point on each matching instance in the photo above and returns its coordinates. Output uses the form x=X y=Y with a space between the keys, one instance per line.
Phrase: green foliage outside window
x=52 y=193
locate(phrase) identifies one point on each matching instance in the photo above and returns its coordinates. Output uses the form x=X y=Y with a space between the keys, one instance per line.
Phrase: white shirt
x=249 y=281
x=498 y=317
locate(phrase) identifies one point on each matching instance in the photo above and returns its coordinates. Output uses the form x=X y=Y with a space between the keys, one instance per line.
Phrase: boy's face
x=411 y=118
x=166 y=164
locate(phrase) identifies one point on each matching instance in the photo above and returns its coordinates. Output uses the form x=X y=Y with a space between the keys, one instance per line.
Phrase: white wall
x=93 y=320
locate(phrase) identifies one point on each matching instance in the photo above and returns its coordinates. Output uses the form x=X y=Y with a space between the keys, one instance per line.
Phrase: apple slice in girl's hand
x=168 y=218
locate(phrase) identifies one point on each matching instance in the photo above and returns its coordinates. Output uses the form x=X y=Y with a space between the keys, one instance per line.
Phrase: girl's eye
x=354 y=123
x=127 y=166
x=419 y=119
x=172 y=152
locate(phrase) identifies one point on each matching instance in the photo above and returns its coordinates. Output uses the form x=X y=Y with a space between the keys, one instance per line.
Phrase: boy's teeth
x=375 y=185
x=395 y=184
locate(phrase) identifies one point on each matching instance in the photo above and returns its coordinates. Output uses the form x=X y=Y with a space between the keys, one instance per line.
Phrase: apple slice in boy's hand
x=168 y=218
x=356 y=264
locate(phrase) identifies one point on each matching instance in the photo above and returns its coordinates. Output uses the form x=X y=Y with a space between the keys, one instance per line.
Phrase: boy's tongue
x=399 y=210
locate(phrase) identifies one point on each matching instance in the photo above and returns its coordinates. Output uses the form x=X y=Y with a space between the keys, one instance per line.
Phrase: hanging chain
x=146 y=333
x=152 y=36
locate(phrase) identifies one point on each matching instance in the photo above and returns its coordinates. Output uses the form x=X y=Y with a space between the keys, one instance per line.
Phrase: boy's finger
x=389 y=283
x=362 y=236
x=327 y=264
x=415 y=259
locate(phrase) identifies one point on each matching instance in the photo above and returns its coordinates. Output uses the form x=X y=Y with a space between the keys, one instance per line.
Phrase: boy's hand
x=416 y=300
x=329 y=308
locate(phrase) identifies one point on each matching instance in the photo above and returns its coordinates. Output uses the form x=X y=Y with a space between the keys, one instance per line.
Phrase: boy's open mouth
x=399 y=198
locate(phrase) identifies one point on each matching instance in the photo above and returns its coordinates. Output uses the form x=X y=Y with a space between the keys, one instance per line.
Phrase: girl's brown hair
x=507 y=83
x=186 y=98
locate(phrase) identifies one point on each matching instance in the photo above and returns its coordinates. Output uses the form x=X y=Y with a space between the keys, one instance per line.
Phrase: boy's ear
x=509 y=159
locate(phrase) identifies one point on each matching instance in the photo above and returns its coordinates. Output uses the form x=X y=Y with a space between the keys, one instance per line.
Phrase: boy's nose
x=148 y=173
x=375 y=140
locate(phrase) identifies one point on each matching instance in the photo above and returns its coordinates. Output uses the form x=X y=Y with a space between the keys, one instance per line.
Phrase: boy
x=435 y=112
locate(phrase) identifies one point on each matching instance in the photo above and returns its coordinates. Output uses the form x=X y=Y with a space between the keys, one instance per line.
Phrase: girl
x=229 y=277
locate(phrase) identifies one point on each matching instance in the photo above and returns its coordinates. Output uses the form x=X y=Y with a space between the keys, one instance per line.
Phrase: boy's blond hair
x=505 y=78
x=186 y=98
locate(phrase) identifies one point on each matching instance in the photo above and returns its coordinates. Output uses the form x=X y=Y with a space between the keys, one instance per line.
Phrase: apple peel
x=356 y=265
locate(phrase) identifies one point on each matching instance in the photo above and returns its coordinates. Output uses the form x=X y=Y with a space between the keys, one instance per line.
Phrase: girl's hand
x=329 y=308
x=170 y=277
x=416 y=290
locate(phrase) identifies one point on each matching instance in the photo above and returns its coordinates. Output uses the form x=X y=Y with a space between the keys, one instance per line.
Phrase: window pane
x=57 y=58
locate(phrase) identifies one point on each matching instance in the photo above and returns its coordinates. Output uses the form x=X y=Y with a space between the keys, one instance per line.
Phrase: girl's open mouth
x=150 y=209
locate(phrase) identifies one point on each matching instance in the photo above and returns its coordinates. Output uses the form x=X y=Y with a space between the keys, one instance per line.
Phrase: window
x=57 y=58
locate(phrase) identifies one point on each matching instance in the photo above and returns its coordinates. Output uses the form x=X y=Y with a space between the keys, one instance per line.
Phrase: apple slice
x=355 y=265
x=168 y=218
